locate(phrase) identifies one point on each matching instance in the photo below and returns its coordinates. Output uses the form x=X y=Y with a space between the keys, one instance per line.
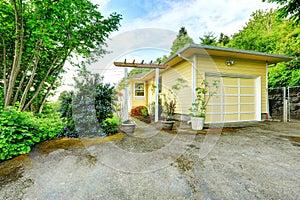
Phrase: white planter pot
x=197 y=123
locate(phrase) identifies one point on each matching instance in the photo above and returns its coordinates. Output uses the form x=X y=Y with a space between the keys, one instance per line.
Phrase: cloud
x=198 y=16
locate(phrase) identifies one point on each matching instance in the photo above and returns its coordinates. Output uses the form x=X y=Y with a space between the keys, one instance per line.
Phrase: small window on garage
x=139 y=89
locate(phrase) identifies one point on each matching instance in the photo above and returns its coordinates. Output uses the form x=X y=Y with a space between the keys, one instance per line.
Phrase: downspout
x=156 y=93
x=194 y=72
x=268 y=116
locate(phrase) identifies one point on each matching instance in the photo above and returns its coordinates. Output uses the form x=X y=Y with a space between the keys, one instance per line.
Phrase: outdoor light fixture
x=229 y=62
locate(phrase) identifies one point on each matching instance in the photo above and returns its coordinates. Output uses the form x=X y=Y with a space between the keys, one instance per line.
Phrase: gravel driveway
x=257 y=162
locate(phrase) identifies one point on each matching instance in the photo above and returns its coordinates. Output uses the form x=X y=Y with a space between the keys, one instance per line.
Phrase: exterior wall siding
x=182 y=70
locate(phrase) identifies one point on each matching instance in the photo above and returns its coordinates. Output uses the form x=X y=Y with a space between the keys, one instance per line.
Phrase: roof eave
x=280 y=58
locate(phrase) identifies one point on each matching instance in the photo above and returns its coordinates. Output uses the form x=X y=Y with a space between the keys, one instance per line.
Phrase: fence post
x=284 y=105
x=289 y=105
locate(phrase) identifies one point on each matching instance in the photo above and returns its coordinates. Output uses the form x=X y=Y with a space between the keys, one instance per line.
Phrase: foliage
x=182 y=39
x=281 y=75
x=37 y=37
x=19 y=131
x=169 y=98
x=65 y=110
x=223 y=40
x=87 y=109
x=152 y=107
x=104 y=100
x=139 y=111
x=110 y=125
x=266 y=32
x=203 y=94
x=208 y=39
x=144 y=112
x=290 y=8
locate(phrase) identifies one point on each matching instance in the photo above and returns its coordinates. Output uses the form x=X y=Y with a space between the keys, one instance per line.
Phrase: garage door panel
x=247 y=90
x=231 y=108
x=247 y=107
x=235 y=100
x=230 y=99
x=214 y=108
x=215 y=100
x=231 y=90
x=247 y=116
x=217 y=118
x=247 y=99
x=247 y=82
x=227 y=81
x=231 y=117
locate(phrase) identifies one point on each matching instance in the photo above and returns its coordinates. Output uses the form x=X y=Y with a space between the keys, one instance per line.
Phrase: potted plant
x=128 y=127
x=169 y=104
x=167 y=115
x=198 y=109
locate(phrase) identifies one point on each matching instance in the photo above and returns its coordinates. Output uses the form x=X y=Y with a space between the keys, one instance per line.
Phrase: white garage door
x=237 y=98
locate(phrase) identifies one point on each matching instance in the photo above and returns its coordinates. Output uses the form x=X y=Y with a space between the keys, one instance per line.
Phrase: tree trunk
x=29 y=83
x=47 y=93
x=49 y=72
x=4 y=68
x=19 y=88
x=17 y=55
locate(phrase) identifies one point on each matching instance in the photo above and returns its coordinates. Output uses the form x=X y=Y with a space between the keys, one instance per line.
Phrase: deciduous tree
x=39 y=36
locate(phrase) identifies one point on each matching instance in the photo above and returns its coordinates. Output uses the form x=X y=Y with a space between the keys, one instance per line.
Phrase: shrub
x=86 y=111
x=19 y=131
x=65 y=109
x=110 y=125
x=138 y=111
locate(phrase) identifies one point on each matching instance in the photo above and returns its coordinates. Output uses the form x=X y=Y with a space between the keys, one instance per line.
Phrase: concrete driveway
x=257 y=162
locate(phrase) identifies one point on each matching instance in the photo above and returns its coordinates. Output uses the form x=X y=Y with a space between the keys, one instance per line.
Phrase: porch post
x=156 y=93
x=125 y=110
x=194 y=78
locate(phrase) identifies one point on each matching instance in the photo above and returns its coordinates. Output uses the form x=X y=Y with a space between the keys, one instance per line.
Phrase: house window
x=139 y=89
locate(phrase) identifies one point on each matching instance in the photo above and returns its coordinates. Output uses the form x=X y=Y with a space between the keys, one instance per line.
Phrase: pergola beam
x=140 y=65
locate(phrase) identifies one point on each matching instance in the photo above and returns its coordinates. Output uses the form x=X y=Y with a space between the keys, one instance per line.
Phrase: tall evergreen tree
x=208 y=39
x=181 y=40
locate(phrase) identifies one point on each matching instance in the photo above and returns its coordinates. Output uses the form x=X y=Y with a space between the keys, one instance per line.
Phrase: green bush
x=88 y=111
x=19 y=131
x=110 y=125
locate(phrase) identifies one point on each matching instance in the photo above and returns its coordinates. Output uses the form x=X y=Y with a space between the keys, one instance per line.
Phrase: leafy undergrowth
x=19 y=131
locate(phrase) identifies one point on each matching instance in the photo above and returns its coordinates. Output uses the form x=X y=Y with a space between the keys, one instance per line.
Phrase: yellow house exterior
x=242 y=92
x=141 y=89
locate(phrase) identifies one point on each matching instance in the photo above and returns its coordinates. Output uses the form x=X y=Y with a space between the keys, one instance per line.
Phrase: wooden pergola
x=142 y=65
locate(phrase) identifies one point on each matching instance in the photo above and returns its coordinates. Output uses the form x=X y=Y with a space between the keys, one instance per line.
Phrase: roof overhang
x=214 y=51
